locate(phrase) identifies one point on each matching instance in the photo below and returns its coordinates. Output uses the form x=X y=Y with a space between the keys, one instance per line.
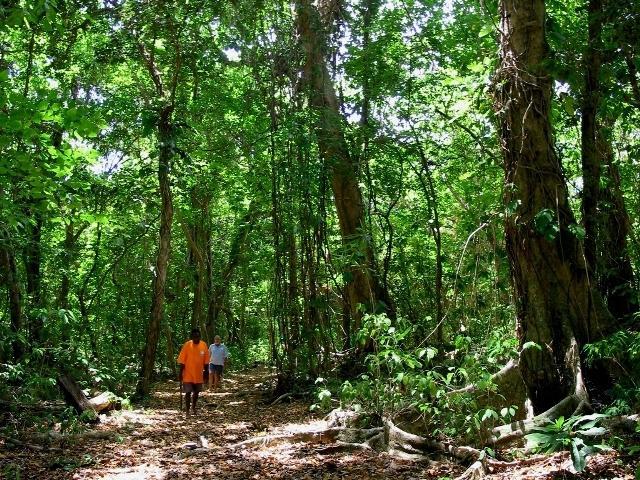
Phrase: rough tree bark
x=558 y=306
x=363 y=288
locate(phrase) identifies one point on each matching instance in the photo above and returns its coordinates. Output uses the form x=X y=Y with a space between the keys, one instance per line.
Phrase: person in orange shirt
x=194 y=361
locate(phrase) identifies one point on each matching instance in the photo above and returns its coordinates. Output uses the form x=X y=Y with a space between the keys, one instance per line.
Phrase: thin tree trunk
x=166 y=142
x=221 y=288
x=197 y=234
x=615 y=275
x=32 y=262
x=8 y=264
x=557 y=304
x=428 y=187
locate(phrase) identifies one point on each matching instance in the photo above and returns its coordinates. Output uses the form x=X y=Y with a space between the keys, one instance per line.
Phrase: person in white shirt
x=218 y=360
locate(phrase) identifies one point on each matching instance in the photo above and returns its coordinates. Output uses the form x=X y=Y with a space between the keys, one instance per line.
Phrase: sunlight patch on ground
x=144 y=471
x=309 y=427
x=236 y=426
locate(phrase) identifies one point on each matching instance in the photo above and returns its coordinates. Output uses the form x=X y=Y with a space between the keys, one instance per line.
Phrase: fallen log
x=75 y=397
x=105 y=402
x=73 y=394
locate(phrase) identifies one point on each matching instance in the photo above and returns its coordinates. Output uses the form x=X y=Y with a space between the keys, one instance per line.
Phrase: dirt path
x=153 y=443
x=150 y=443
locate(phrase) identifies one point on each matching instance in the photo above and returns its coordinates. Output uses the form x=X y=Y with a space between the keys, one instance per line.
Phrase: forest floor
x=160 y=443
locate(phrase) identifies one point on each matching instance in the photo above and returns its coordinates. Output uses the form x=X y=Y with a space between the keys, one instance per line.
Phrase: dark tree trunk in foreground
x=558 y=308
x=363 y=287
x=10 y=273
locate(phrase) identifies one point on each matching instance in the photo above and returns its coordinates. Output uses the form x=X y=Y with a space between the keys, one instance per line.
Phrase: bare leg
x=210 y=380
x=195 y=399
x=187 y=401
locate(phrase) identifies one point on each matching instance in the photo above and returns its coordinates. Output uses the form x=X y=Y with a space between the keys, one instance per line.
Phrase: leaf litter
x=160 y=443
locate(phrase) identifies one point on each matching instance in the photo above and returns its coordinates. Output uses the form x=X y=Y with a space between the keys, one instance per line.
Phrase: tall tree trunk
x=198 y=235
x=363 y=286
x=558 y=307
x=166 y=142
x=590 y=158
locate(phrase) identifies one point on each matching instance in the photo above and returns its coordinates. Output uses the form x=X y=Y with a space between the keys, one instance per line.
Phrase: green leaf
x=578 y=456
x=577 y=230
x=486 y=29
x=533 y=345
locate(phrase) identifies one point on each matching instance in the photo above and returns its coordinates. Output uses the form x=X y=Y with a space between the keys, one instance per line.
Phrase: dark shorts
x=216 y=368
x=191 y=387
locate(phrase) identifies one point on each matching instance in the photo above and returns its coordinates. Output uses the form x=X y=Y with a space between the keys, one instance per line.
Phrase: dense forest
x=424 y=211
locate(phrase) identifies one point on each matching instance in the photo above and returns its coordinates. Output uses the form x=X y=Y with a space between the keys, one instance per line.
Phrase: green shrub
x=576 y=434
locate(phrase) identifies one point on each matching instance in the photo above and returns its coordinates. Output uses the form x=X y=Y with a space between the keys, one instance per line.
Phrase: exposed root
x=282 y=397
x=329 y=435
x=399 y=440
x=509 y=433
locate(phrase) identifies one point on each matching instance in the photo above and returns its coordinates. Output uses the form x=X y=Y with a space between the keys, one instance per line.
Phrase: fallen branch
x=75 y=437
x=18 y=443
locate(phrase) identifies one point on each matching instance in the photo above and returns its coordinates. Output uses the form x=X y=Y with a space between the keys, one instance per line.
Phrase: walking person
x=194 y=361
x=219 y=355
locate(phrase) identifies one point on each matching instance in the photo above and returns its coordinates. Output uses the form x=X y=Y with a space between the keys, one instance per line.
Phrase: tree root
x=282 y=397
x=516 y=430
x=399 y=440
x=329 y=435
